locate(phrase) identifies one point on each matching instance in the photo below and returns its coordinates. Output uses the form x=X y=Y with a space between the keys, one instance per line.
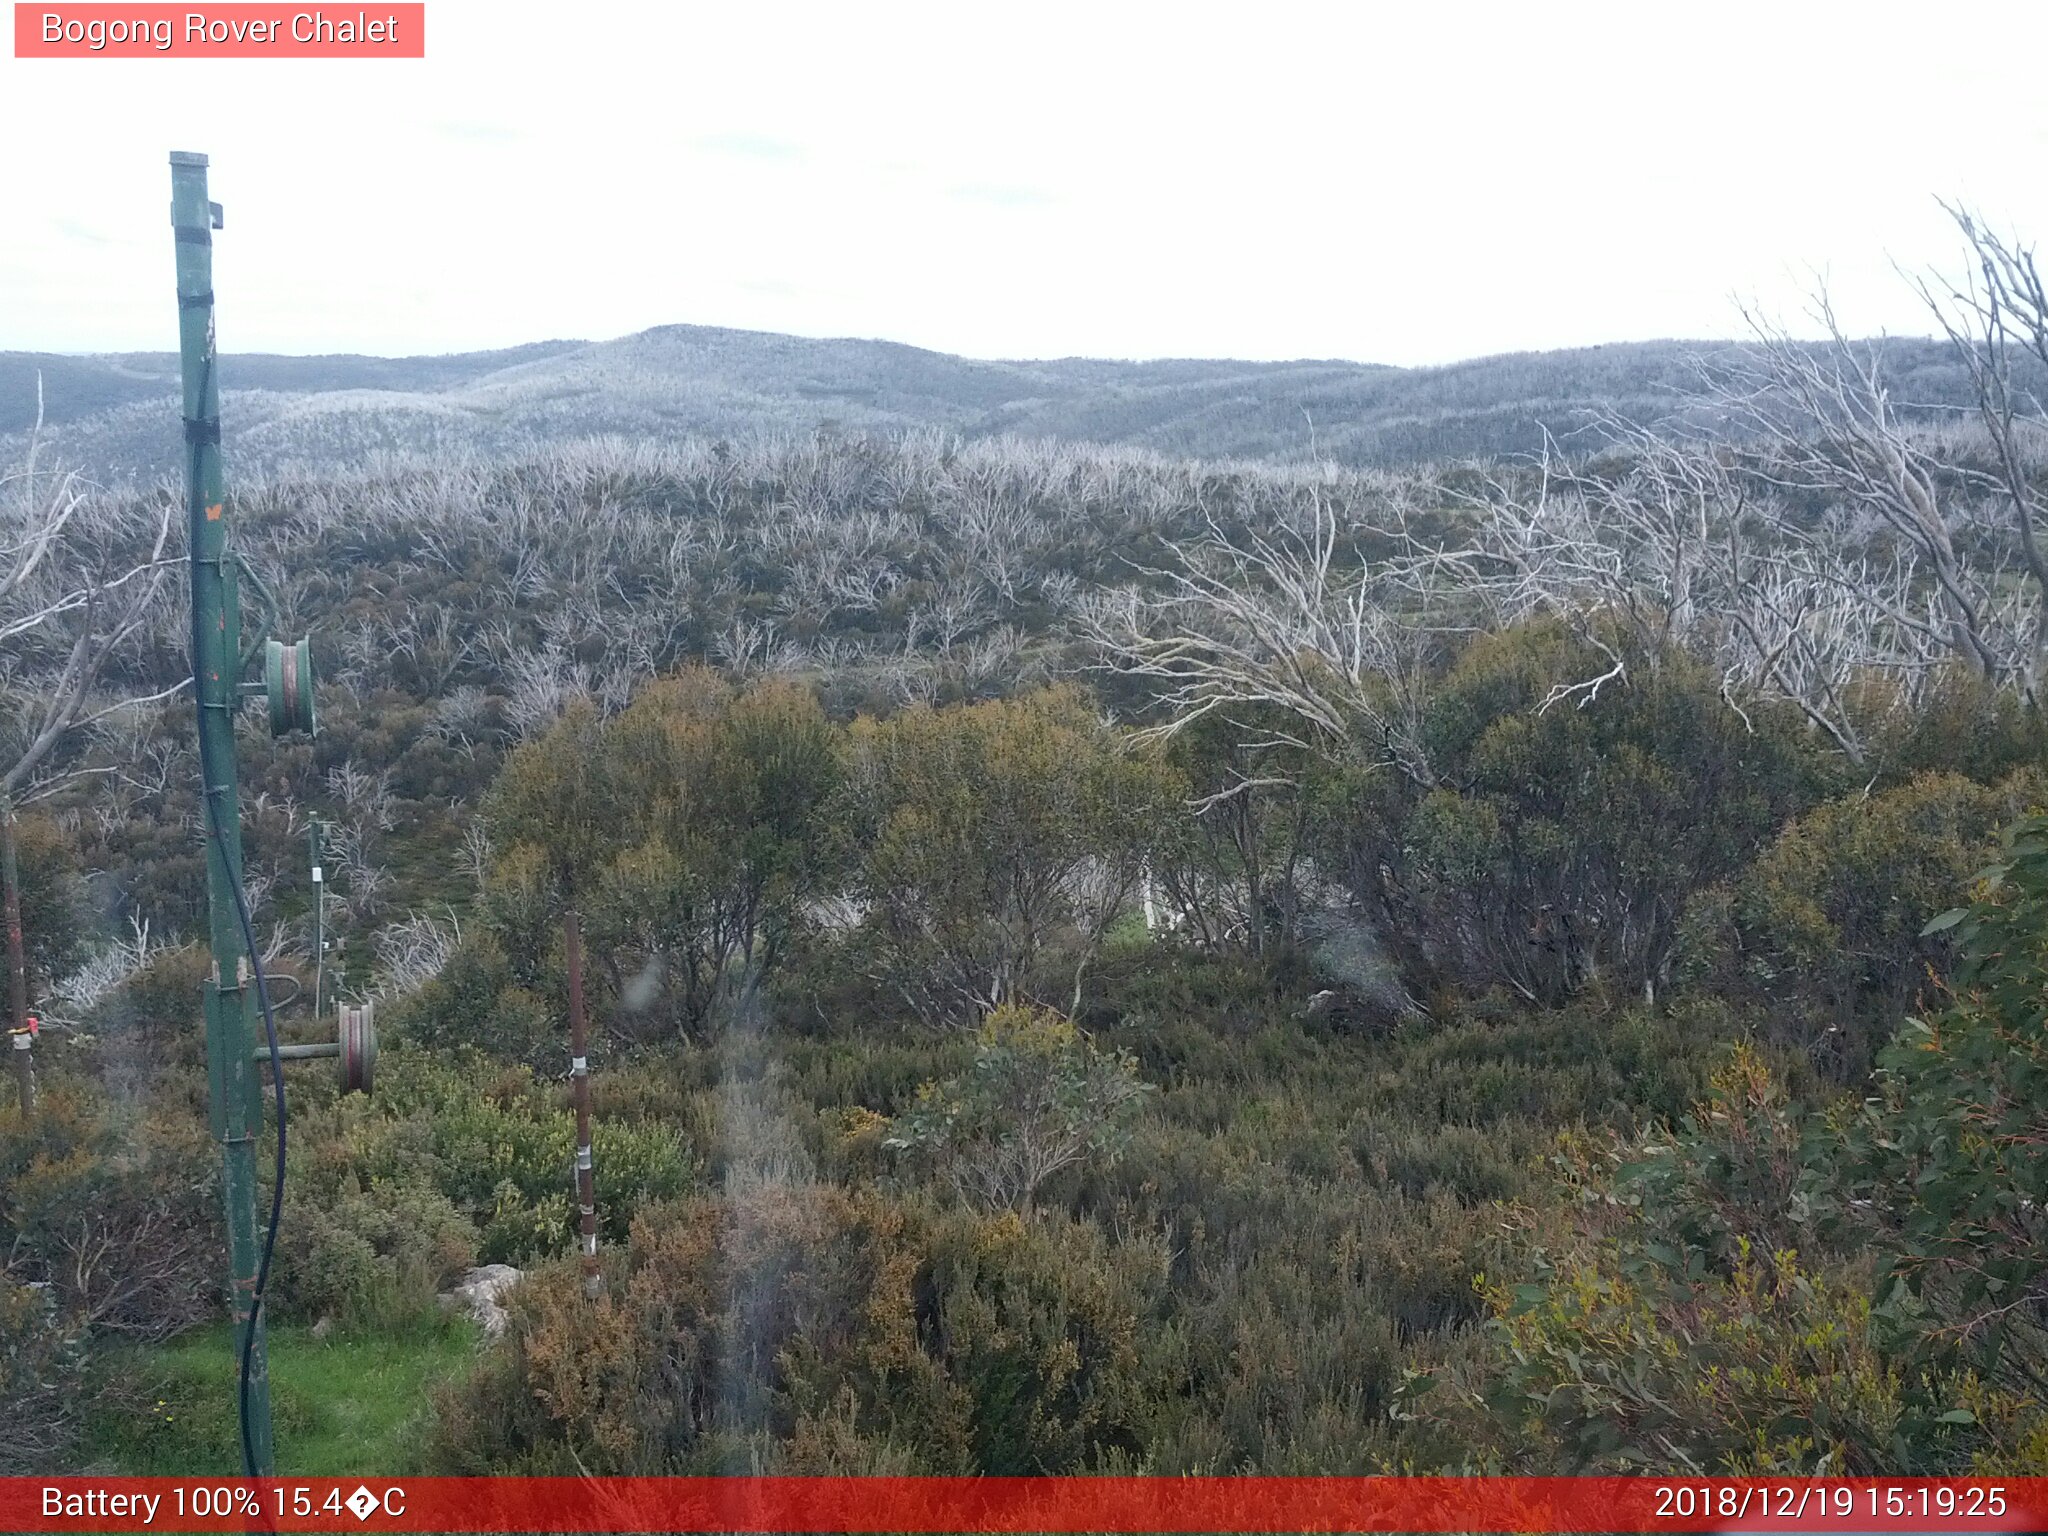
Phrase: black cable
x=208 y=790
x=277 y=1184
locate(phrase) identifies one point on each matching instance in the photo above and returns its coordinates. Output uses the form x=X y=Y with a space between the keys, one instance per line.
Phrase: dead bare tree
x=80 y=575
x=1996 y=318
x=415 y=950
x=1825 y=420
x=1560 y=541
x=1660 y=538
x=1272 y=624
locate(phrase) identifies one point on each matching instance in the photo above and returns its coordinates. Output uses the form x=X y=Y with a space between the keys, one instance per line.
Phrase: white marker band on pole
x=579 y=1066
x=583 y=1157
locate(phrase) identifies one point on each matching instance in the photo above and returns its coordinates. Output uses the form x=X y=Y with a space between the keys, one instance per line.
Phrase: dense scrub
x=990 y=1076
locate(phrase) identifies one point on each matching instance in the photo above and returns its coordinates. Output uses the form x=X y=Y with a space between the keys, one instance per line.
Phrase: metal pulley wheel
x=358 y=1041
x=288 y=680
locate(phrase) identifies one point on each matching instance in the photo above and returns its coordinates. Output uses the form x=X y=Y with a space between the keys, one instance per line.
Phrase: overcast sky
x=1406 y=183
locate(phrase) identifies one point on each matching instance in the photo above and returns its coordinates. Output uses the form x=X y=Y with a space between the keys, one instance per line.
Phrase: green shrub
x=1953 y=1146
x=116 y=1207
x=371 y=1257
x=1038 y=1328
x=53 y=900
x=688 y=832
x=1744 y=1177
x=1563 y=838
x=805 y=1321
x=476 y=1001
x=1636 y=1365
x=42 y=1367
x=1825 y=929
x=997 y=844
x=1232 y=864
x=1038 y=1098
x=1695 y=1317
x=1964 y=724
x=1464 y=1161
x=155 y=1018
x=494 y=1143
x=729 y=841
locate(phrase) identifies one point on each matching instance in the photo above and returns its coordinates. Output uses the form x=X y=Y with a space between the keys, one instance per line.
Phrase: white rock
x=477 y=1293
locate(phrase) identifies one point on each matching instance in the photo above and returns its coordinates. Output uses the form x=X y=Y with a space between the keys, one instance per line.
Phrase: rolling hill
x=114 y=415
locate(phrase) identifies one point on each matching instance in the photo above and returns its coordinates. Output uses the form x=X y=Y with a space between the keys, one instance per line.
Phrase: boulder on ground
x=477 y=1293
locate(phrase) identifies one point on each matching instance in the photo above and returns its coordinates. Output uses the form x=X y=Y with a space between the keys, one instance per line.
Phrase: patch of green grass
x=1128 y=934
x=339 y=1406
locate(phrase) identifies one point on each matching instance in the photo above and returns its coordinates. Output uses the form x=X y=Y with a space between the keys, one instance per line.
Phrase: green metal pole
x=216 y=678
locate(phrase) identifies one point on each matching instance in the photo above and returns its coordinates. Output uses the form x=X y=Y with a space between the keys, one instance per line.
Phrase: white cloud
x=1391 y=183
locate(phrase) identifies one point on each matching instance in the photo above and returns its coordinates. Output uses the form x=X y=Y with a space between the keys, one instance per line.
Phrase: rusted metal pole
x=19 y=1040
x=579 y=1077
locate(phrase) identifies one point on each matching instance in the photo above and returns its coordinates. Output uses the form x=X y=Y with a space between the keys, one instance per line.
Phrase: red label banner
x=225 y=31
x=781 y=1506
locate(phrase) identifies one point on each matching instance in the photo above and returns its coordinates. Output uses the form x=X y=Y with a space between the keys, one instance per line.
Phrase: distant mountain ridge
x=115 y=415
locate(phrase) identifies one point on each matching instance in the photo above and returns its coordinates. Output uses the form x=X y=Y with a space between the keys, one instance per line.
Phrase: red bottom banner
x=784 y=1505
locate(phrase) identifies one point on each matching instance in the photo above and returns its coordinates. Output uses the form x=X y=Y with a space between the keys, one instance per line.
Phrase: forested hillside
x=1101 y=958
x=336 y=414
